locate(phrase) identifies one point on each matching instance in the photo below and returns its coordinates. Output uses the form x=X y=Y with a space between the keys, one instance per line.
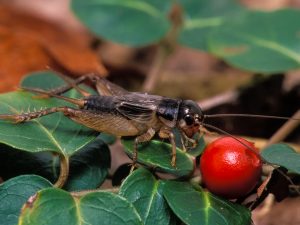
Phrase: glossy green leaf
x=89 y=166
x=15 y=192
x=157 y=154
x=201 y=17
x=132 y=22
x=195 y=206
x=14 y=162
x=53 y=132
x=55 y=206
x=282 y=155
x=145 y=193
x=272 y=46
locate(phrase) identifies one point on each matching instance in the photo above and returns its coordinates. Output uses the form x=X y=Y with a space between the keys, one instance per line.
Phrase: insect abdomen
x=99 y=104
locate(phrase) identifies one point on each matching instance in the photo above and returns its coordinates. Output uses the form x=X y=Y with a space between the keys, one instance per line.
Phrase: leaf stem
x=64 y=171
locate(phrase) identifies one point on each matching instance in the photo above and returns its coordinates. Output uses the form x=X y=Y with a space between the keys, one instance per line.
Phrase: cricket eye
x=189 y=120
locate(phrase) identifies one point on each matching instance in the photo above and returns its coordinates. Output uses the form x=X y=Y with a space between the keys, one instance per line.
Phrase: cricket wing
x=138 y=107
x=106 y=88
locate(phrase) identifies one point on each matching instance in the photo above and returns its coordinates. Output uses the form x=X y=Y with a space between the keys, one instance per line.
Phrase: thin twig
x=156 y=68
x=165 y=48
x=285 y=130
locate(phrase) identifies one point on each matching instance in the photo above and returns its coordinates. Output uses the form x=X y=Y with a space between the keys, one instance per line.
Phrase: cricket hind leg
x=24 y=117
x=70 y=84
x=103 y=86
x=140 y=139
x=79 y=102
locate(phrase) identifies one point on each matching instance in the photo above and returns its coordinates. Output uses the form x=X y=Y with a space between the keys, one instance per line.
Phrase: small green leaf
x=54 y=132
x=201 y=207
x=157 y=154
x=89 y=166
x=282 y=155
x=201 y=17
x=271 y=47
x=15 y=192
x=14 y=162
x=132 y=22
x=145 y=193
x=55 y=206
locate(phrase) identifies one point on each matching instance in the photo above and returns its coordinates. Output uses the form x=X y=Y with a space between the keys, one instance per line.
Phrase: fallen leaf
x=29 y=43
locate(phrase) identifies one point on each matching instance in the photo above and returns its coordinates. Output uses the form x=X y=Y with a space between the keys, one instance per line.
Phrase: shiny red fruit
x=230 y=169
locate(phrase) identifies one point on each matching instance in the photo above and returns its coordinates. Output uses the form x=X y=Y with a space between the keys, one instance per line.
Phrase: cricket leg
x=103 y=86
x=79 y=102
x=23 y=117
x=167 y=133
x=187 y=141
x=70 y=84
x=140 y=139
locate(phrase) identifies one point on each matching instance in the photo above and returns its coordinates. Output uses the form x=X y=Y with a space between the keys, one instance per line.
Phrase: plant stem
x=285 y=130
x=165 y=48
x=156 y=68
x=64 y=171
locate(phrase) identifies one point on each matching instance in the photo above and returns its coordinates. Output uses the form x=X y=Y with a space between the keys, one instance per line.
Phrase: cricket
x=121 y=113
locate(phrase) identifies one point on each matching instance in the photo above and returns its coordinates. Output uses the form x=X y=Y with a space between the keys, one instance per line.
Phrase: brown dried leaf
x=28 y=44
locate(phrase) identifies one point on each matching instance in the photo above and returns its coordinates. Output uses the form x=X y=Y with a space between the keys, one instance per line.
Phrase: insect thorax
x=167 y=111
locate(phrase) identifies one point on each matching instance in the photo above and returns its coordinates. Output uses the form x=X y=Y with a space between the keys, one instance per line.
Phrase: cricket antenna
x=228 y=134
x=250 y=116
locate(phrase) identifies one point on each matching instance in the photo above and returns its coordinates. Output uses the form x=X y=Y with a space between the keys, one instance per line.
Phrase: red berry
x=230 y=169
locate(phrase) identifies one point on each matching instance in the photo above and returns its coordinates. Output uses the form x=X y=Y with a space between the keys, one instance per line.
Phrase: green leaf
x=14 y=162
x=131 y=22
x=55 y=206
x=89 y=166
x=282 y=155
x=271 y=47
x=201 y=17
x=53 y=132
x=145 y=193
x=201 y=207
x=157 y=154
x=15 y=192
